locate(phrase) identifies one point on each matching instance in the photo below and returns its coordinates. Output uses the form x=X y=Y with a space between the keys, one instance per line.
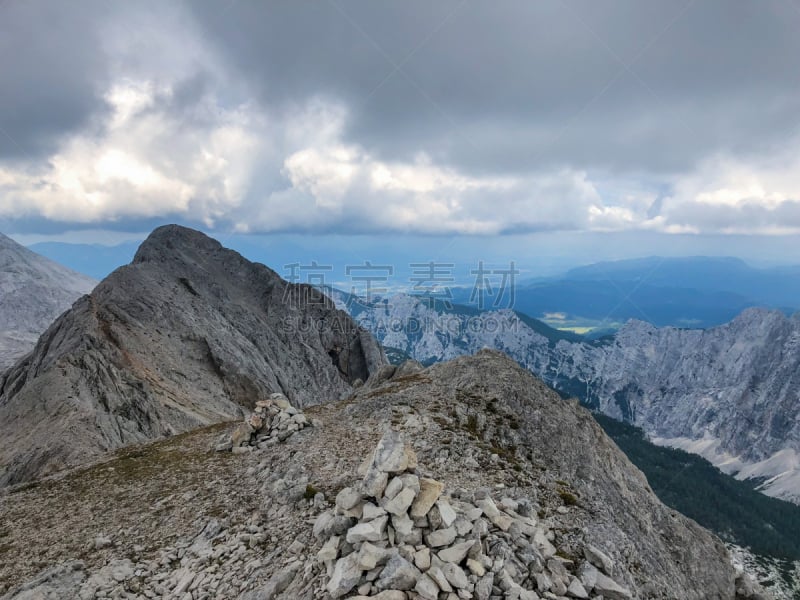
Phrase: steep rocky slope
x=730 y=393
x=430 y=334
x=542 y=501
x=188 y=334
x=33 y=292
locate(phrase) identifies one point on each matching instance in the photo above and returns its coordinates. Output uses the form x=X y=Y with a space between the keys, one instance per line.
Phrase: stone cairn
x=399 y=537
x=274 y=420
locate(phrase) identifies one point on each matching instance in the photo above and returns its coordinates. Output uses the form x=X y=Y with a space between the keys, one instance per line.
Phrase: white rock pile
x=395 y=535
x=274 y=420
x=398 y=536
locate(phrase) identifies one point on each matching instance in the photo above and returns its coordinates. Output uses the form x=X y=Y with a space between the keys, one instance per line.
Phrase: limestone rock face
x=728 y=393
x=189 y=334
x=33 y=292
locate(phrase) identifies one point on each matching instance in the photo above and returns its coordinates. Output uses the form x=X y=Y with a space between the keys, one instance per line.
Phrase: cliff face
x=189 y=334
x=33 y=292
x=470 y=477
x=730 y=393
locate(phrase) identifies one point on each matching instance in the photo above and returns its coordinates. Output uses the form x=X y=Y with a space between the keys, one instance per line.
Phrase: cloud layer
x=440 y=118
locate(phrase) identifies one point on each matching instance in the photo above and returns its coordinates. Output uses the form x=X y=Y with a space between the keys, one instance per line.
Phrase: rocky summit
x=467 y=480
x=187 y=335
x=33 y=292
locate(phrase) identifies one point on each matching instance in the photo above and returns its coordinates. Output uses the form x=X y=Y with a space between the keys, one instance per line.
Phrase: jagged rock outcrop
x=475 y=463
x=33 y=292
x=188 y=334
x=430 y=334
x=730 y=393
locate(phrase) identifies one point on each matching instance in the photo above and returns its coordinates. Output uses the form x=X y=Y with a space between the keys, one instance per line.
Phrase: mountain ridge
x=549 y=493
x=33 y=292
x=188 y=334
x=693 y=291
x=736 y=384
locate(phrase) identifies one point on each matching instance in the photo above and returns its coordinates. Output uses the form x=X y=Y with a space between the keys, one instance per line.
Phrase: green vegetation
x=733 y=509
x=472 y=426
x=310 y=492
x=507 y=453
x=568 y=498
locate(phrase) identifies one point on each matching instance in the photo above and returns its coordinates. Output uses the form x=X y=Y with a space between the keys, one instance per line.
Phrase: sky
x=560 y=131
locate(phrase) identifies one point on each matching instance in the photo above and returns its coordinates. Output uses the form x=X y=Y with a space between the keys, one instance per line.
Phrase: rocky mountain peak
x=188 y=334
x=6 y=242
x=175 y=242
x=759 y=317
x=16 y=259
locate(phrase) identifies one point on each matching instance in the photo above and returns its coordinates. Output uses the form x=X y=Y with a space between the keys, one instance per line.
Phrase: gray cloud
x=750 y=215
x=502 y=85
x=445 y=117
x=52 y=75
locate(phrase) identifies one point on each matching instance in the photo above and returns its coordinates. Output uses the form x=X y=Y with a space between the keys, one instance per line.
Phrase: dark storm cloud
x=510 y=85
x=52 y=73
x=486 y=86
x=427 y=117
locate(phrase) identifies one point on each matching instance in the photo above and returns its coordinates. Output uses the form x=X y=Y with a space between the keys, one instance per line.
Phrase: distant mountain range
x=773 y=286
x=597 y=299
x=730 y=393
x=33 y=292
x=694 y=292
